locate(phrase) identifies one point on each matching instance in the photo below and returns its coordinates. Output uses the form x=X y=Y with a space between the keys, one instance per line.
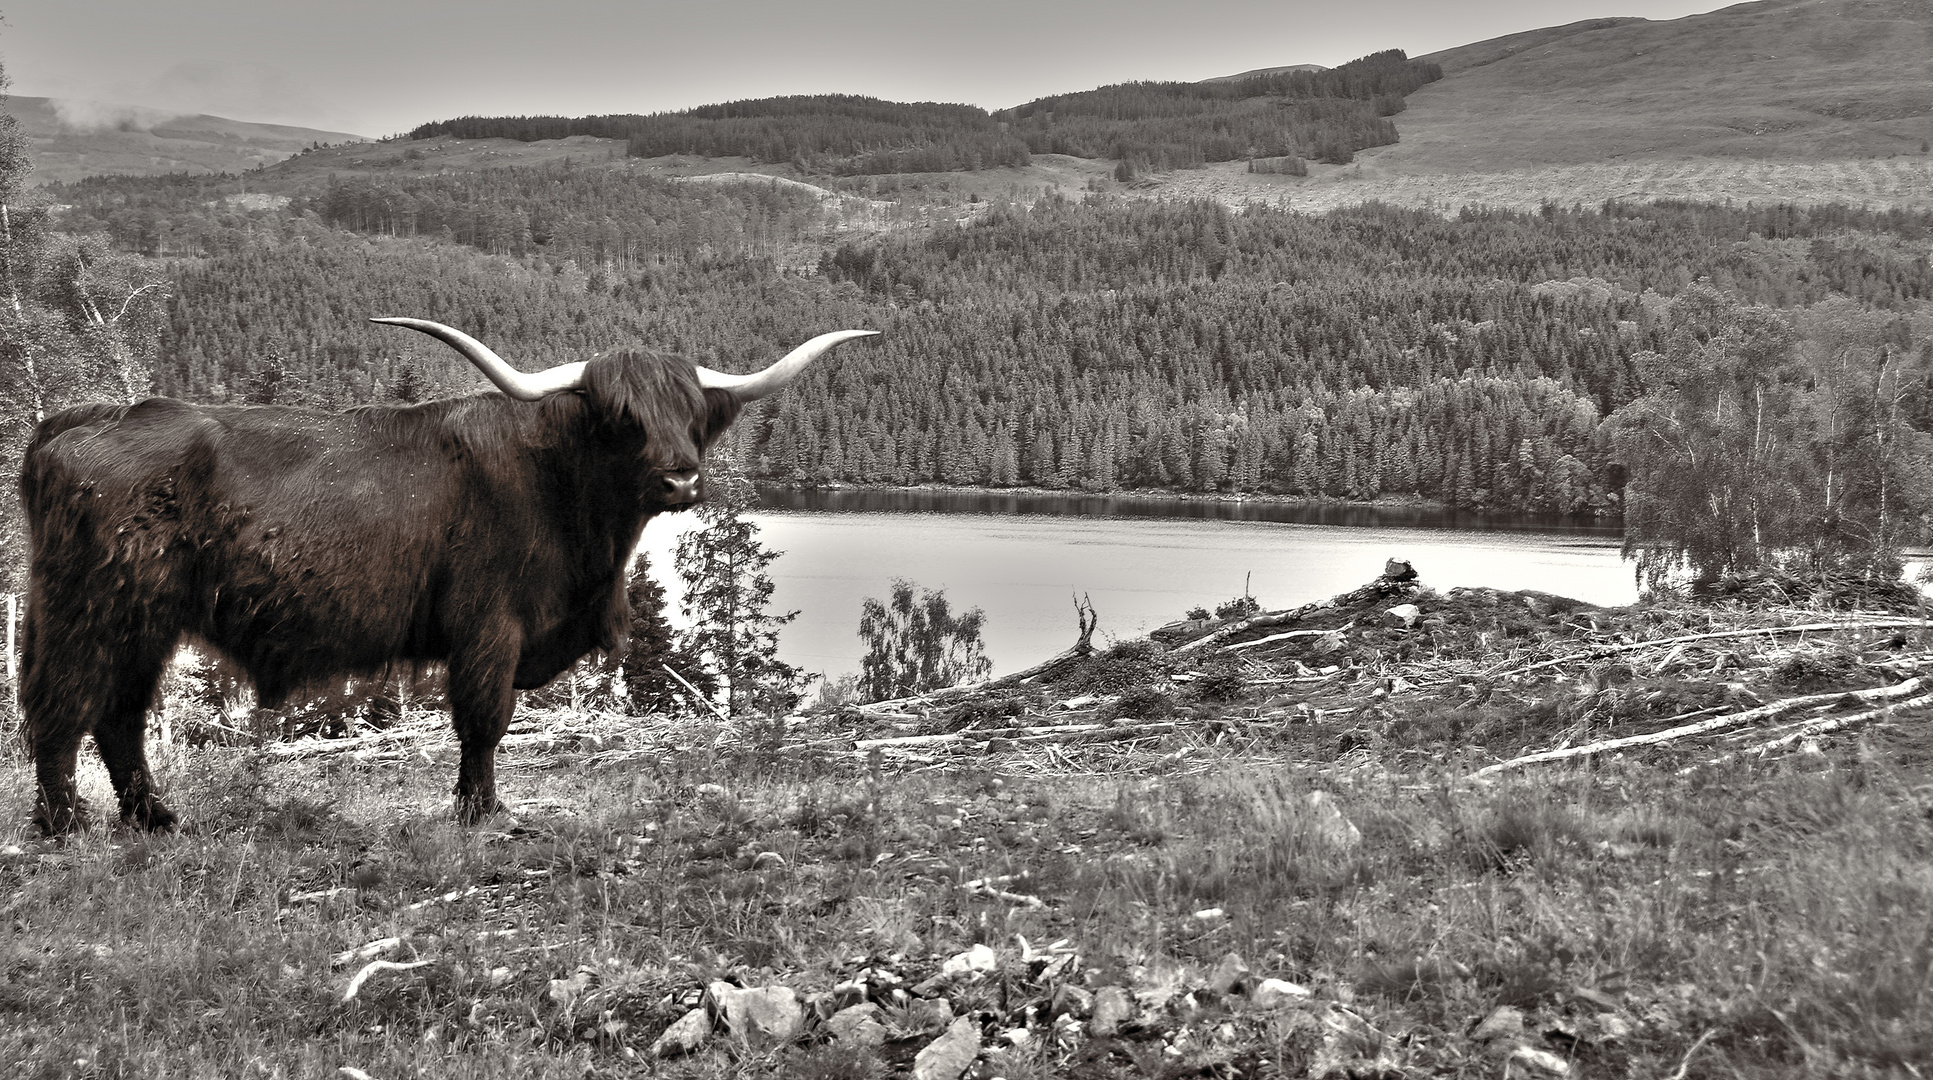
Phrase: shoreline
x=1414 y=502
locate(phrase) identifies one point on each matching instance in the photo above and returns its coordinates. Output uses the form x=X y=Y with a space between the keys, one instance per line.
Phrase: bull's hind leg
x=121 y=737
x=57 y=715
x=72 y=686
x=57 y=805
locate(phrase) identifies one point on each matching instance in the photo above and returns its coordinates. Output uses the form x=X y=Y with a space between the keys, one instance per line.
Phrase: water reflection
x=1207 y=508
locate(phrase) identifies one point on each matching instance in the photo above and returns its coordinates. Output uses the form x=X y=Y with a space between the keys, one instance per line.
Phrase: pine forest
x=1102 y=344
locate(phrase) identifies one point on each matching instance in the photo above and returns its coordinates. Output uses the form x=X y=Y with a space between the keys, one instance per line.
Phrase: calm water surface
x=1022 y=559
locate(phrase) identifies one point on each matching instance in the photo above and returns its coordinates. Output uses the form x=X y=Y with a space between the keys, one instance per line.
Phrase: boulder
x=1277 y=994
x=686 y=1034
x=1112 y=1008
x=765 y=1015
x=857 y=1025
x=949 y=1056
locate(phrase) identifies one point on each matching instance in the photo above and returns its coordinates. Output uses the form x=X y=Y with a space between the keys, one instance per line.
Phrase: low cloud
x=84 y=115
x=240 y=91
x=248 y=91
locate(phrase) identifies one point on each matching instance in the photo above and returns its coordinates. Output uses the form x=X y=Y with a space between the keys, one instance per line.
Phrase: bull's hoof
x=60 y=820
x=474 y=810
x=148 y=813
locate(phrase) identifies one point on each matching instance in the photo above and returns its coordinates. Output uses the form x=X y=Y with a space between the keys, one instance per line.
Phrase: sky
x=381 y=67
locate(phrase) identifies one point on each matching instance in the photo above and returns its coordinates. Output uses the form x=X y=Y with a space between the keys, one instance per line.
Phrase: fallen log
x=1060 y=733
x=309 y=747
x=1703 y=727
x=1256 y=622
x=1598 y=652
x=1286 y=635
x=1821 y=726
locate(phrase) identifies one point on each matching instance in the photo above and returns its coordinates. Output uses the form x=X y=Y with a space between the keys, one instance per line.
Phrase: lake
x=1142 y=561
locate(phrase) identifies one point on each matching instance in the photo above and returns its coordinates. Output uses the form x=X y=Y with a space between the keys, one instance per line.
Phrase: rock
x=686 y=1034
x=1112 y=1008
x=1070 y=1000
x=1346 y=1040
x=857 y=1025
x=1328 y=825
x=927 y=1015
x=1504 y=1022
x=1404 y=614
x=1175 y=633
x=845 y=996
x=948 y=1056
x=975 y=961
x=932 y=987
x=1277 y=994
x=767 y=860
x=768 y=1014
x=1326 y=644
x=1540 y=1061
x=1231 y=976
x=1399 y=570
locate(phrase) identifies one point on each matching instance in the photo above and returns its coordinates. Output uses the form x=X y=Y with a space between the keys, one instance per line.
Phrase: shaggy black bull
x=490 y=533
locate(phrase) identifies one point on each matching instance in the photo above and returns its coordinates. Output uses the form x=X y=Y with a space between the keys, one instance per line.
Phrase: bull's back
x=299 y=543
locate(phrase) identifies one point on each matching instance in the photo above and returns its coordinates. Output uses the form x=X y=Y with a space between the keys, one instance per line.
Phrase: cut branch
x=1258 y=622
x=1612 y=650
x=1821 y=726
x=1703 y=727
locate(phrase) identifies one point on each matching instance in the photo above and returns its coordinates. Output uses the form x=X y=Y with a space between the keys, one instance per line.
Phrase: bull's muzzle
x=682 y=489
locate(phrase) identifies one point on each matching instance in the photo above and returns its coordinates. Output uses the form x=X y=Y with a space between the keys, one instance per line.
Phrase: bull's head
x=680 y=477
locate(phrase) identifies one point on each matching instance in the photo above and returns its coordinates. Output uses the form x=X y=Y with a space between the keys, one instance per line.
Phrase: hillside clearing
x=1904 y=182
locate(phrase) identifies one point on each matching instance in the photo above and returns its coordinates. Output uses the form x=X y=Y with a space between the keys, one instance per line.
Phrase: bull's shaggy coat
x=485 y=532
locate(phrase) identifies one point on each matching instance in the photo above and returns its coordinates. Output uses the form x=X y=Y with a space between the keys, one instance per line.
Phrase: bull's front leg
x=481 y=702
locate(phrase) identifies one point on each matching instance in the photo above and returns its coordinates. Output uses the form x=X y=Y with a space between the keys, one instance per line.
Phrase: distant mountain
x=72 y=140
x=1797 y=80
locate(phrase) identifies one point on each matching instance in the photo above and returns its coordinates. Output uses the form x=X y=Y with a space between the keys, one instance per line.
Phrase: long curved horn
x=524 y=387
x=775 y=378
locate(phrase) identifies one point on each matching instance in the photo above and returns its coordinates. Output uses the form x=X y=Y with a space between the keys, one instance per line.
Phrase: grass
x=1780 y=911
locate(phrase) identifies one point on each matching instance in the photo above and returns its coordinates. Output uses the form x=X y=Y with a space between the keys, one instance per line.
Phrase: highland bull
x=490 y=533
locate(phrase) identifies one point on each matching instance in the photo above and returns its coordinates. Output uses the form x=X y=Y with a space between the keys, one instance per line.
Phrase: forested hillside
x=1097 y=345
x=835 y=133
x=1326 y=115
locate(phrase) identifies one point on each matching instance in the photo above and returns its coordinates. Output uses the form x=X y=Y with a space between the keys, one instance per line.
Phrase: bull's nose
x=680 y=488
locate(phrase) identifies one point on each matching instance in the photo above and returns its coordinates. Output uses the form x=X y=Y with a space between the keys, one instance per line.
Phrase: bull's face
x=654 y=410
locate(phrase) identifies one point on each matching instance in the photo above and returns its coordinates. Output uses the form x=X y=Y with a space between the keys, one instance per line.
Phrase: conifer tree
x=653 y=648
x=728 y=593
